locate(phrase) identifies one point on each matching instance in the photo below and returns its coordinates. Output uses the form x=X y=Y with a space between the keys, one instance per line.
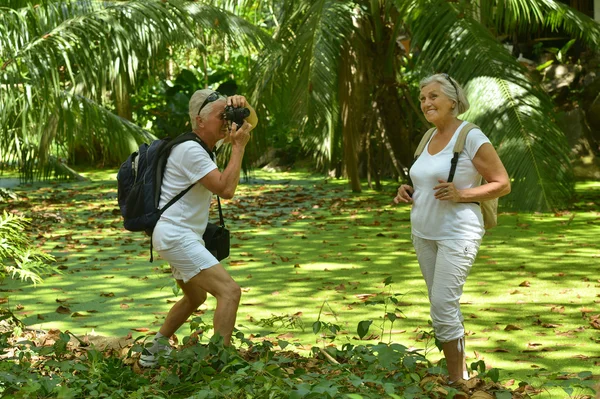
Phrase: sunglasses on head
x=214 y=96
x=451 y=82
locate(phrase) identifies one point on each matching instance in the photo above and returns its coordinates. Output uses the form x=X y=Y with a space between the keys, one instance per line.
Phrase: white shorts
x=188 y=259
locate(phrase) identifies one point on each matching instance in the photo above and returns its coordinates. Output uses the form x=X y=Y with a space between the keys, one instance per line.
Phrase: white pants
x=445 y=265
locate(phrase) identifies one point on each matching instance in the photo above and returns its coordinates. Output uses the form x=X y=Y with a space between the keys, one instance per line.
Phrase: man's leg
x=179 y=313
x=217 y=282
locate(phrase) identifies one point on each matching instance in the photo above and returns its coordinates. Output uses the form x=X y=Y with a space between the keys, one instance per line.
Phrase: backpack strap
x=181 y=139
x=211 y=154
x=423 y=142
x=458 y=147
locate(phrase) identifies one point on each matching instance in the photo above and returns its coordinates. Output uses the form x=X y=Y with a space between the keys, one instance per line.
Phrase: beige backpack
x=489 y=208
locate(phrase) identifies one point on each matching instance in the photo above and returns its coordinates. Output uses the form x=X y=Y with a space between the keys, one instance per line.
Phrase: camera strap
x=212 y=156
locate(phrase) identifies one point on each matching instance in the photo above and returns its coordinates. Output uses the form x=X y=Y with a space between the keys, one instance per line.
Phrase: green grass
x=305 y=248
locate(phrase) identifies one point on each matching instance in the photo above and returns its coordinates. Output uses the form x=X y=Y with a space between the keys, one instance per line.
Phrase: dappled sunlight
x=330 y=266
x=312 y=252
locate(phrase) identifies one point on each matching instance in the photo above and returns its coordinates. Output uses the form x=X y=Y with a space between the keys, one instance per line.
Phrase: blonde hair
x=196 y=102
x=451 y=89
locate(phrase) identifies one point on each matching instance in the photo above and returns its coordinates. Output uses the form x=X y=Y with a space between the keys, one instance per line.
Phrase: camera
x=237 y=115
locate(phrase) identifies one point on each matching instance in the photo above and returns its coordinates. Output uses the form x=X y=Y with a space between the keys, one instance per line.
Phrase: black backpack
x=139 y=185
x=140 y=179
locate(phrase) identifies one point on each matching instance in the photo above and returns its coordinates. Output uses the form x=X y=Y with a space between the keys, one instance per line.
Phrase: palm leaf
x=505 y=103
x=60 y=59
x=303 y=77
x=528 y=16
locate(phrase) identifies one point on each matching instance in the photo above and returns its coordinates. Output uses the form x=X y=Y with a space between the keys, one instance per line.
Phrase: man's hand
x=237 y=101
x=240 y=137
x=240 y=101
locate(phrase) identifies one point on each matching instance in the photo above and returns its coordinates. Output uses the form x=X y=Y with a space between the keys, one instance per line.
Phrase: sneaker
x=149 y=357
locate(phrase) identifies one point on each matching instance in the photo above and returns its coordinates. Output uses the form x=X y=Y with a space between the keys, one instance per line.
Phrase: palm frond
x=80 y=118
x=28 y=267
x=560 y=16
x=60 y=60
x=511 y=109
x=225 y=23
x=532 y=147
x=18 y=257
x=529 y=15
x=12 y=238
x=305 y=73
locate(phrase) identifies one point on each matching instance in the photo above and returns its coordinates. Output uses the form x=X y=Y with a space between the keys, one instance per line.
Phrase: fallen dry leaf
x=63 y=310
x=512 y=327
x=551 y=325
x=481 y=395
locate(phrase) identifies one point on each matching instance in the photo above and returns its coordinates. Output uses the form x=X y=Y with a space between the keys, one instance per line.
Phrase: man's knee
x=233 y=292
x=229 y=292
x=198 y=299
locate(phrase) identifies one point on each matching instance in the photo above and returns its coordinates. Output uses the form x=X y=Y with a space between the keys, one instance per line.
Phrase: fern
x=19 y=259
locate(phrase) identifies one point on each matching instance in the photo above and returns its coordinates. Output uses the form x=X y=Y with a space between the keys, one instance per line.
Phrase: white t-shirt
x=434 y=219
x=186 y=219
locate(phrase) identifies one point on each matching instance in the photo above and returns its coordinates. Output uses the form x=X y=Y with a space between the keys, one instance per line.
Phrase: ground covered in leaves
x=58 y=364
x=321 y=267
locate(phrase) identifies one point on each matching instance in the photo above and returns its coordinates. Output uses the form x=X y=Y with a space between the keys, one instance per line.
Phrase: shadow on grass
x=312 y=250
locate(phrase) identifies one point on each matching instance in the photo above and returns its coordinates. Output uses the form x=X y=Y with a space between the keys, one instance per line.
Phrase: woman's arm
x=490 y=167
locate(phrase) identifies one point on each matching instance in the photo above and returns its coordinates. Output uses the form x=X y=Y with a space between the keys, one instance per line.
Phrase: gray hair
x=196 y=102
x=451 y=89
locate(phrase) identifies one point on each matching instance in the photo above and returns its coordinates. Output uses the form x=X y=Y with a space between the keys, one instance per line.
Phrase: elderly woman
x=446 y=219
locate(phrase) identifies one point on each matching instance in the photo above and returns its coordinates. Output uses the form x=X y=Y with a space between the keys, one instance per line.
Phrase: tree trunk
x=170 y=65
x=389 y=102
x=122 y=98
x=350 y=121
x=398 y=135
x=350 y=150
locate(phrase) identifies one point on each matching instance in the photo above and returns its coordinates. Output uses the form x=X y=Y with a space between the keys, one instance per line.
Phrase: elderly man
x=177 y=236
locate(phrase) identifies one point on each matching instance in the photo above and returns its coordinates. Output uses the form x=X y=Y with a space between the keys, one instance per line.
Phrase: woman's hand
x=446 y=191
x=405 y=193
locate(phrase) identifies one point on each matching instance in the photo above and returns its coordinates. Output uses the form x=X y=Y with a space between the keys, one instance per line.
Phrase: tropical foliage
x=338 y=78
x=69 y=68
x=59 y=364
x=355 y=83
x=19 y=258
